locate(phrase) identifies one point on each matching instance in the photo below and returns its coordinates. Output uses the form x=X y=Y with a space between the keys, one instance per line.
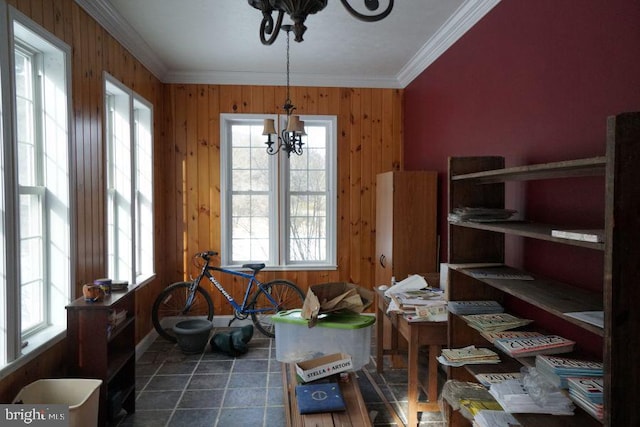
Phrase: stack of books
x=514 y=398
x=557 y=370
x=587 y=393
x=532 y=346
x=474 y=307
x=492 y=336
x=467 y=356
x=496 y=322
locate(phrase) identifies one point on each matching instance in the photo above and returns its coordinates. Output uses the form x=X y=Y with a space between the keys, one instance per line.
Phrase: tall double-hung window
x=128 y=135
x=277 y=209
x=36 y=250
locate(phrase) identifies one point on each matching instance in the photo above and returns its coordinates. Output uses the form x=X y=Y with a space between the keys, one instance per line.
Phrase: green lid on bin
x=334 y=320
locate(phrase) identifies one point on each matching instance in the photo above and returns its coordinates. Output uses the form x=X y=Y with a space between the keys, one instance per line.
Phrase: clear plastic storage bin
x=334 y=333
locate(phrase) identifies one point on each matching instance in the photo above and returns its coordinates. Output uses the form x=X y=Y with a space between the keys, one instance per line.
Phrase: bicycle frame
x=206 y=272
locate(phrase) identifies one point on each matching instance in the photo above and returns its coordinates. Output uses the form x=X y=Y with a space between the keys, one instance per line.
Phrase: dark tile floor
x=215 y=390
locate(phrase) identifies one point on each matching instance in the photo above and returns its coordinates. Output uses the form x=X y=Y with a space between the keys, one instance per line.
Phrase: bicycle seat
x=255 y=267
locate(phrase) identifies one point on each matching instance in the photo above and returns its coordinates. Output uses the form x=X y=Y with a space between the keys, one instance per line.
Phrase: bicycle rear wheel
x=286 y=295
x=170 y=308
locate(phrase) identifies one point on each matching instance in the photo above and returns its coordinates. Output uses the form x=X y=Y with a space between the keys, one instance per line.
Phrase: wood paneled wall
x=94 y=51
x=369 y=142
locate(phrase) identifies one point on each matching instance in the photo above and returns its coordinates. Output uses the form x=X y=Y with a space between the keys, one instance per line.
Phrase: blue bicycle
x=184 y=300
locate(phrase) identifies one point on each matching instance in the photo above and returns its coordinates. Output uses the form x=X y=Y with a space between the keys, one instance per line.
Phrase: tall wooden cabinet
x=406 y=236
x=101 y=344
x=480 y=182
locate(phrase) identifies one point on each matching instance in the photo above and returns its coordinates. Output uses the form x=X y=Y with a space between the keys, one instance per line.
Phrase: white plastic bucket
x=82 y=396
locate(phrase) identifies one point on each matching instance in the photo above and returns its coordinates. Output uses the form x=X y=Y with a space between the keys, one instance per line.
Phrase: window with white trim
x=36 y=207
x=128 y=136
x=275 y=209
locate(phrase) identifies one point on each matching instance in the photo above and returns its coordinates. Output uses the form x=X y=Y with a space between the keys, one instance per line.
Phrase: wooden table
x=417 y=334
x=355 y=414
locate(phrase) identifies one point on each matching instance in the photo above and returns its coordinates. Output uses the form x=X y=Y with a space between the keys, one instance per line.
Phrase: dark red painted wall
x=533 y=81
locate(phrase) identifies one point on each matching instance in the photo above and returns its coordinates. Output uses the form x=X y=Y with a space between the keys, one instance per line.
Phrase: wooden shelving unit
x=480 y=182
x=99 y=349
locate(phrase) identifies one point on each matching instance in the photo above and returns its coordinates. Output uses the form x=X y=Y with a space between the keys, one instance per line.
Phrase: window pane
x=308 y=228
x=24 y=73
x=240 y=157
x=241 y=180
x=31 y=256
x=32 y=309
x=143 y=215
x=122 y=196
x=298 y=180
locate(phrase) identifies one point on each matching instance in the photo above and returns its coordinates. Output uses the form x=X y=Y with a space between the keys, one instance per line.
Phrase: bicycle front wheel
x=282 y=295
x=171 y=307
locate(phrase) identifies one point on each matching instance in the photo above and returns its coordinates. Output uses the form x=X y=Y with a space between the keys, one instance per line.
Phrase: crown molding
x=467 y=15
x=123 y=32
x=276 y=79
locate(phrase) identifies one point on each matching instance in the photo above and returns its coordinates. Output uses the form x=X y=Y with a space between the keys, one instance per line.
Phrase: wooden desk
x=417 y=334
x=355 y=414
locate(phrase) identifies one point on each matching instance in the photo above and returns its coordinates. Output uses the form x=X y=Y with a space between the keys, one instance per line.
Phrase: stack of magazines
x=543 y=344
x=474 y=307
x=467 y=356
x=480 y=214
x=496 y=322
x=514 y=398
x=556 y=370
x=587 y=393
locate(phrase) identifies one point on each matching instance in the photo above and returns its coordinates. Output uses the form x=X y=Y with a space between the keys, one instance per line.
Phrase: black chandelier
x=298 y=10
x=290 y=139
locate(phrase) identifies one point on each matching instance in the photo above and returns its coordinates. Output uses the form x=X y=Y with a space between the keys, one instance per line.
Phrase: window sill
x=38 y=344
x=145 y=280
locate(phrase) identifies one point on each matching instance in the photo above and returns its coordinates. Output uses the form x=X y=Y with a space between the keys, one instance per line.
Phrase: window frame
x=18 y=348
x=279 y=194
x=119 y=96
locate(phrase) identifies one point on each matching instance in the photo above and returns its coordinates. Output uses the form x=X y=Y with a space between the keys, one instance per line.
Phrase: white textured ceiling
x=217 y=41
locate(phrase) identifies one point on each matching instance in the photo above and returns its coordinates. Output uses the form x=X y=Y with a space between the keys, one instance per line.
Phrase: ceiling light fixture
x=298 y=10
x=290 y=139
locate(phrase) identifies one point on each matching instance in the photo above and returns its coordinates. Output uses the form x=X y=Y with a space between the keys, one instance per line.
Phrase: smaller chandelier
x=290 y=139
x=298 y=10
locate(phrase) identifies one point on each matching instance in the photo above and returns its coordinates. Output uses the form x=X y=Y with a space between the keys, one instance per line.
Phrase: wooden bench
x=355 y=415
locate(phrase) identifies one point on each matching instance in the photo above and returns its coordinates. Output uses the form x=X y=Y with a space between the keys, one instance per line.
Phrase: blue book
x=322 y=397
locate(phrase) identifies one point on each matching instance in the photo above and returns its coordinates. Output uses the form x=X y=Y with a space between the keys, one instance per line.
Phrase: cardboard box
x=337 y=296
x=314 y=369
